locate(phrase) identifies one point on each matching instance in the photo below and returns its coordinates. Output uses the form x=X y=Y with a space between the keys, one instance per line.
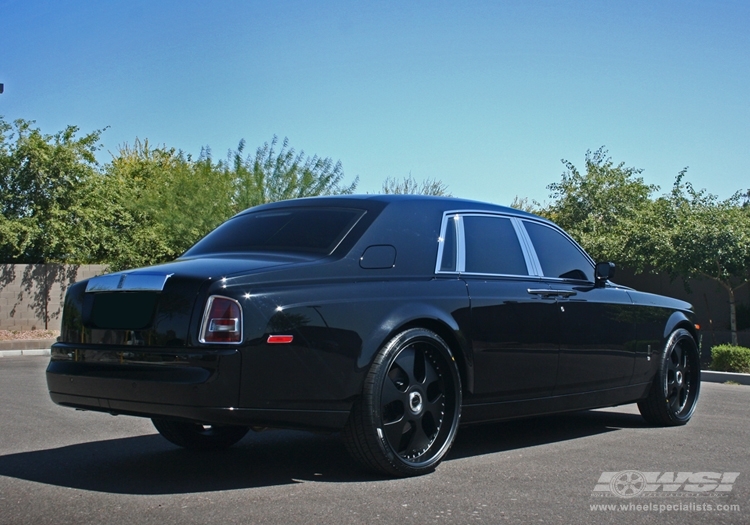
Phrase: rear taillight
x=222 y=321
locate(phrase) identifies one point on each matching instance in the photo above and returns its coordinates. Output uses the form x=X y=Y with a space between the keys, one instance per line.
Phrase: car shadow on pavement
x=149 y=465
x=474 y=440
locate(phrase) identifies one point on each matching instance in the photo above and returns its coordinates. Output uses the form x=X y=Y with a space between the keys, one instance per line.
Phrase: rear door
x=513 y=334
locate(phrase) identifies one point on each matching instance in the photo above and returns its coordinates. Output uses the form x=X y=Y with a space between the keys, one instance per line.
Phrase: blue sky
x=486 y=96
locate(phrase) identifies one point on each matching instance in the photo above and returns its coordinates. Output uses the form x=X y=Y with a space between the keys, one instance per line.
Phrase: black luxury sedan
x=388 y=318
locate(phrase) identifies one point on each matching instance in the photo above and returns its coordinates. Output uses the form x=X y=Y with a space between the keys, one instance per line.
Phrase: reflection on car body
x=389 y=318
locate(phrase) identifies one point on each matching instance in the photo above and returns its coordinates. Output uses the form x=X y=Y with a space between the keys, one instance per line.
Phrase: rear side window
x=492 y=246
x=309 y=230
x=558 y=256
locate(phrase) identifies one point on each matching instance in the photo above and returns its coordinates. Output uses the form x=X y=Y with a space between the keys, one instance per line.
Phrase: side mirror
x=604 y=272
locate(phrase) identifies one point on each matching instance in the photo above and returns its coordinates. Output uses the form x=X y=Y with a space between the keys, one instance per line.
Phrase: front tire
x=674 y=392
x=407 y=417
x=195 y=436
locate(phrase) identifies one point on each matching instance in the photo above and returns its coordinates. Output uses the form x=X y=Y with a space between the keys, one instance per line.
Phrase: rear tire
x=674 y=392
x=195 y=436
x=407 y=417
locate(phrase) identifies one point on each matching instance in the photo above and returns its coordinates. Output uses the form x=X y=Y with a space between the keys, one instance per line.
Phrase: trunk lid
x=153 y=306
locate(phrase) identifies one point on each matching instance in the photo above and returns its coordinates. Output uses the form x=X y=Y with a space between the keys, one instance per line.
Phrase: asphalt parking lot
x=63 y=466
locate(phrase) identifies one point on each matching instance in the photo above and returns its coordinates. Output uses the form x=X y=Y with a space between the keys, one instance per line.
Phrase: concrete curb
x=26 y=344
x=723 y=377
x=25 y=352
x=26 y=347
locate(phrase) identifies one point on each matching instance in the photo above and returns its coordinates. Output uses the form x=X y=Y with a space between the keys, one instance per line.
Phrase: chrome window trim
x=460 y=244
x=348 y=231
x=529 y=253
x=504 y=275
x=533 y=269
x=441 y=245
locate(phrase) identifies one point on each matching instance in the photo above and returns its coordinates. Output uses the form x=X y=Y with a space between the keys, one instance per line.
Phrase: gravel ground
x=16 y=335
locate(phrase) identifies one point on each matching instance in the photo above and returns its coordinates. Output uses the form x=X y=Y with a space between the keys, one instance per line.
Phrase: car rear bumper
x=199 y=385
x=252 y=417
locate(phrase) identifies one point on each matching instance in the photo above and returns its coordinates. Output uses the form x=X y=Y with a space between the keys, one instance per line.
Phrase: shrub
x=729 y=358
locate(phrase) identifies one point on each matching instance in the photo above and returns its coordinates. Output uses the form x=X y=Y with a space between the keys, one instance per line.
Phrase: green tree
x=166 y=202
x=271 y=176
x=48 y=207
x=148 y=205
x=603 y=209
x=687 y=233
x=409 y=186
x=524 y=204
x=707 y=238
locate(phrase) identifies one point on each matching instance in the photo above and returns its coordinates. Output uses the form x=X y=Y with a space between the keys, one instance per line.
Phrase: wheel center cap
x=678 y=377
x=415 y=402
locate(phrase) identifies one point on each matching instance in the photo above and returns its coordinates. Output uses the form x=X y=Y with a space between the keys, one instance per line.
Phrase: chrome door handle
x=547 y=292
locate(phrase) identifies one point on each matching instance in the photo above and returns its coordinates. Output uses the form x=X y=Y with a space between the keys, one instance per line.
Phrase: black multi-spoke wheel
x=199 y=437
x=674 y=393
x=407 y=417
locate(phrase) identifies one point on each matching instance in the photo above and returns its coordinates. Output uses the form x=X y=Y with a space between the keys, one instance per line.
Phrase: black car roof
x=380 y=201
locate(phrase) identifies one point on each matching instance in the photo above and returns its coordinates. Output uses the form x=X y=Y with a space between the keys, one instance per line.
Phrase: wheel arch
x=386 y=431
x=681 y=320
x=449 y=336
x=674 y=378
x=430 y=318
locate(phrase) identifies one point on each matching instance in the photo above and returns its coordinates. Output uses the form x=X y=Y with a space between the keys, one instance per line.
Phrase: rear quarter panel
x=338 y=328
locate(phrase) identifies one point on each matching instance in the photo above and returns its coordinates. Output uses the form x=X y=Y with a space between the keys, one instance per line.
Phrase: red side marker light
x=280 y=339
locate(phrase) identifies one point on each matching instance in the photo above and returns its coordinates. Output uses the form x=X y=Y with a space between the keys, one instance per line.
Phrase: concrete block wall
x=31 y=295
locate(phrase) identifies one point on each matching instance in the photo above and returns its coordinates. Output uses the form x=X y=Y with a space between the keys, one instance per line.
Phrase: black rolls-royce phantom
x=389 y=318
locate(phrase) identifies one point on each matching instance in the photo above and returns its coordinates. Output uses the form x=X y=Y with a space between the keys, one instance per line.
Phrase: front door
x=595 y=327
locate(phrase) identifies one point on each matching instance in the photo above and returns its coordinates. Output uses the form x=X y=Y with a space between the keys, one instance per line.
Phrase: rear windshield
x=308 y=230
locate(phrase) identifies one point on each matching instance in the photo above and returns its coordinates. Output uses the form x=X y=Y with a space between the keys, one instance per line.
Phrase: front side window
x=492 y=246
x=558 y=256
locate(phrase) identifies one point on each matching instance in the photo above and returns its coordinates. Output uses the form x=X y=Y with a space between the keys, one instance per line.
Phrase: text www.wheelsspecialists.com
x=665 y=507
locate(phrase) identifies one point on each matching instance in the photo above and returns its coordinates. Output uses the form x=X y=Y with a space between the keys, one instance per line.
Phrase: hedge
x=729 y=358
